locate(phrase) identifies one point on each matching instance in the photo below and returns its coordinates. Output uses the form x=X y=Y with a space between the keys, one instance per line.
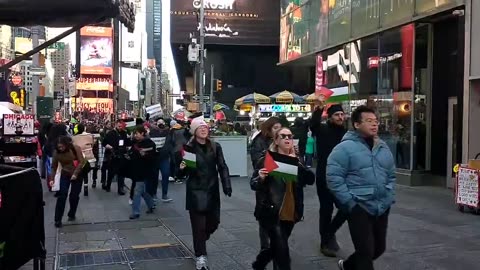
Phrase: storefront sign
x=467 y=187
x=94 y=84
x=305 y=108
x=94 y=105
x=17 y=97
x=18 y=124
x=214 y=4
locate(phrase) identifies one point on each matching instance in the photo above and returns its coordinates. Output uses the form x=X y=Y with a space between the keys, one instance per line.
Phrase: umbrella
x=287 y=97
x=254 y=98
x=220 y=106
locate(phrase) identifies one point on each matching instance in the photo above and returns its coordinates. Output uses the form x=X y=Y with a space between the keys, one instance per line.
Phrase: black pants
x=328 y=226
x=204 y=224
x=76 y=187
x=279 y=251
x=369 y=235
x=104 y=173
x=112 y=172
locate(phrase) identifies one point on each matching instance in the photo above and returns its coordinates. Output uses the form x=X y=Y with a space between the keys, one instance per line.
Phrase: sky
x=167 y=51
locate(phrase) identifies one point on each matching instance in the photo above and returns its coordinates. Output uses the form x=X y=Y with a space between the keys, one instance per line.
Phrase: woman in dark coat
x=279 y=202
x=203 y=188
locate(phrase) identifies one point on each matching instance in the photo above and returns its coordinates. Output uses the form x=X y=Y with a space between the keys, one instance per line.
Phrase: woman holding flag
x=202 y=163
x=279 y=197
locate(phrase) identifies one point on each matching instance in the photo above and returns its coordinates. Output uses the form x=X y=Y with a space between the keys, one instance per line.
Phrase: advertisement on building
x=93 y=105
x=233 y=22
x=131 y=46
x=96 y=50
x=94 y=84
x=23 y=45
x=18 y=124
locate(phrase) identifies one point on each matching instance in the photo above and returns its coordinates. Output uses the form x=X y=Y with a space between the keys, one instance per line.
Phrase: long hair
x=274 y=147
x=266 y=127
x=67 y=141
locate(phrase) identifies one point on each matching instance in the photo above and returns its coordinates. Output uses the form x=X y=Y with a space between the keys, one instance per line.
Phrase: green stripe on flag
x=286 y=171
x=190 y=159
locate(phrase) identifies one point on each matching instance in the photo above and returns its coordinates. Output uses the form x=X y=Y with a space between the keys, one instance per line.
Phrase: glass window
x=339 y=17
x=365 y=16
x=395 y=11
x=318 y=24
x=429 y=5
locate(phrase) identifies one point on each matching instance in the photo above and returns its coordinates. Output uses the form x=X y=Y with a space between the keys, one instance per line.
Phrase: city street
x=426 y=232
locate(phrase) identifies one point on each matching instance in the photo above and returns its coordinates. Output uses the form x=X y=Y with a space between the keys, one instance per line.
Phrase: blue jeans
x=141 y=191
x=65 y=184
x=309 y=160
x=164 y=170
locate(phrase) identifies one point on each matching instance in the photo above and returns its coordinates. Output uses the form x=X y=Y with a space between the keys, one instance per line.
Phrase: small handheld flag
x=281 y=166
x=189 y=157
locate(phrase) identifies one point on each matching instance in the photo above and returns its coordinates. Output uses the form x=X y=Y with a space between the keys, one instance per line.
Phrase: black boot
x=263 y=258
x=85 y=190
x=330 y=247
x=94 y=184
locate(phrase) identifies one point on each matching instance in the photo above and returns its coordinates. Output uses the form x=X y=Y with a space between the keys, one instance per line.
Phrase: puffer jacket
x=357 y=175
x=203 y=188
x=260 y=145
x=270 y=194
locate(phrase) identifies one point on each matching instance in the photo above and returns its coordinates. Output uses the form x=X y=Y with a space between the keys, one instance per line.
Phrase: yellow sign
x=456 y=168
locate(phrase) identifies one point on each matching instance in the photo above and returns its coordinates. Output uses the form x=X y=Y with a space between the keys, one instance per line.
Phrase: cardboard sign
x=467 y=191
x=18 y=124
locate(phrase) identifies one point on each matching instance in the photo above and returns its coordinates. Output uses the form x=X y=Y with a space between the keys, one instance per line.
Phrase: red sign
x=373 y=62
x=319 y=73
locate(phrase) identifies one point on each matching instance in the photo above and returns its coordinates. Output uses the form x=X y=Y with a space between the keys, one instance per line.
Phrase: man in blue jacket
x=361 y=175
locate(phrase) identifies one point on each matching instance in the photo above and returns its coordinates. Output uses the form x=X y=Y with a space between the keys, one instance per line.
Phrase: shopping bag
x=56 y=179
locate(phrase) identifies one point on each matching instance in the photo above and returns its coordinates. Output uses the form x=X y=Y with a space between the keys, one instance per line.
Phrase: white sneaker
x=340 y=264
x=130 y=201
x=201 y=263
x=171 y=179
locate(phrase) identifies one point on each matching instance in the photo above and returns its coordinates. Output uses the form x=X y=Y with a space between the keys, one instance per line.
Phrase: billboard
x=23 y=45
x=93 y=105
x=96 y=50
x=94 y=84
x=232 y=22
x=131 y=46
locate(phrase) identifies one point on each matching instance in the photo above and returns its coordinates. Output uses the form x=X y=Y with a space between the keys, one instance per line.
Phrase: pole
x=116 y=66
x=212 y=69
x=35 y=64
x=201 y=78
x=64 y=97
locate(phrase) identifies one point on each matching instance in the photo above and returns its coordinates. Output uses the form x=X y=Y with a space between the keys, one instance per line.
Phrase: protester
x=260 y=144
x=279 y=201
x=178 y=136
x=361 y=175
x=142 y=158
x=55 y=132
x=70 y=158
x=299 y=130
x=327 y=137
x=86 y=142
x=309 y=150
x=203 y=191
x=116 y=142
x=164 y=143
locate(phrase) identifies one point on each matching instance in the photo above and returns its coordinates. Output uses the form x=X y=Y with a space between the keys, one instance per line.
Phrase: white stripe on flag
x=190 y=156
x=286 y=168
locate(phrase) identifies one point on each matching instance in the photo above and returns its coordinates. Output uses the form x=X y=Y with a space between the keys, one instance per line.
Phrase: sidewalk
x=426 y=232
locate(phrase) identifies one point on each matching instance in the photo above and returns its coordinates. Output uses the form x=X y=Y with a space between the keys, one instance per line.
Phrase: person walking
x=361 y=176
x=309 y=150
x=164 y=143
x=68 y=158
x=116 y=142
x=260 y=144
x=327 y=137
x=143 y=159
x=279 y=201
x=300 y=130
x=178 y=136
x=203 y=189
x=86 y=142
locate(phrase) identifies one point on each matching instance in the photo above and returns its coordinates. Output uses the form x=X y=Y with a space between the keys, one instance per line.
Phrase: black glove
x=227 y=191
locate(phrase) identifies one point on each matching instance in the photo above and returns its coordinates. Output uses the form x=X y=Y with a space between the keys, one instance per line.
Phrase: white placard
x=18 y=124
x=467 y=187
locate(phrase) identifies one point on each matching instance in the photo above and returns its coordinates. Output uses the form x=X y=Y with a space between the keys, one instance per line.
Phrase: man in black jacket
x=116 y=142
x=327 y=137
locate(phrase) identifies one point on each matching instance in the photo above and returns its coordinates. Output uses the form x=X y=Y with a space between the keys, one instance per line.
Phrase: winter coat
x=164 y=142
x=300 y=131
x=260 y=145
x=327 y=136
x=203 y=188
x=357 y=175
x=143 y=167
x=178 y=135
x=270 y=194
x=113 y=138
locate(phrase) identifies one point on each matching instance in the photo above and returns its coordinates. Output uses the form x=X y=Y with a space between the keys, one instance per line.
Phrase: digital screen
x=96 y=50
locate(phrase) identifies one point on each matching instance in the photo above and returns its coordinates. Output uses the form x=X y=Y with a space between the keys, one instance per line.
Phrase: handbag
x=56 y=178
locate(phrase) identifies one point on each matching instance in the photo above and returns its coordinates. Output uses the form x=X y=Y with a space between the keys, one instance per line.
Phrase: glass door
x=452 y=140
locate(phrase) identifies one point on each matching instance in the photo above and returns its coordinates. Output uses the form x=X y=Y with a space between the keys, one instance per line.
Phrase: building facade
x=411 y=60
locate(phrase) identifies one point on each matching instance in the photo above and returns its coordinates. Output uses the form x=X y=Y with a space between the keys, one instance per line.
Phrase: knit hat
x=196 y=123
x=334 y=109
x=173 y=123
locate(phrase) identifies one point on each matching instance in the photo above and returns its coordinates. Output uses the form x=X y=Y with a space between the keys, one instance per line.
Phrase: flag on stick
x=189 y=157
x=281 y=166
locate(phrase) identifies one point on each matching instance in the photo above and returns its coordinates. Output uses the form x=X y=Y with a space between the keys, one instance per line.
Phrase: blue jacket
x=357 y=175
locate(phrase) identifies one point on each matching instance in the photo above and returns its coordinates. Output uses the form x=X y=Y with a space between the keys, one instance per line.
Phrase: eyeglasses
x=286 y=136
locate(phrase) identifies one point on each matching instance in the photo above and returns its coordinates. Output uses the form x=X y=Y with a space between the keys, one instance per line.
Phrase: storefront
x=407 y=62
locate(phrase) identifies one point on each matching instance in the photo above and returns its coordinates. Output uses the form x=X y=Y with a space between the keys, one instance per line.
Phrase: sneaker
x=150 y=211
x=328 y=252
x=71 y=218
x=166 y=199
x=130 y=201
x=178 y=182
x=171 y=179
x=58 y=224
x=134 y=216
x=201 y=263
x=340 y=264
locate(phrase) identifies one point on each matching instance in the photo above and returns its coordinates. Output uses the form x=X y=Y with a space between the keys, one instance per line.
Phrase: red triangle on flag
x=324 y=91
x=269 y=164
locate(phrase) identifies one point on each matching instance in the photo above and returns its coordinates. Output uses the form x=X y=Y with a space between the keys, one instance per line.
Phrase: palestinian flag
x=130 y=125
x=281 y=166
x=189 y=157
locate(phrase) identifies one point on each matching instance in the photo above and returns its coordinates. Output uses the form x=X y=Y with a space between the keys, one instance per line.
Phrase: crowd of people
x=355 y=173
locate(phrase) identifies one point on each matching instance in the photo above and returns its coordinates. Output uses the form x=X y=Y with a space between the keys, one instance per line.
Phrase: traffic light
x=219 y=85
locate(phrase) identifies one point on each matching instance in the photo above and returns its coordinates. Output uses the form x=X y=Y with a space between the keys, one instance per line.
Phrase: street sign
x=57 y=46
x=197 y=98
x=37 y=71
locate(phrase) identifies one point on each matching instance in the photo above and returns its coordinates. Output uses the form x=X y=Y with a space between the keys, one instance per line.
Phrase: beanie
x=173 y=123
x=333 y=109
x=196 y=123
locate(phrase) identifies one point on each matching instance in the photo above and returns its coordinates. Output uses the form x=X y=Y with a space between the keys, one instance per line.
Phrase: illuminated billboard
x=94 y=84
x=93 y=105
x=232 y=22
x=96 y=50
